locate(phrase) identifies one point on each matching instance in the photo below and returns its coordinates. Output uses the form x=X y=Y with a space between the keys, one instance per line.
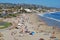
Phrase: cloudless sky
x=49 y=3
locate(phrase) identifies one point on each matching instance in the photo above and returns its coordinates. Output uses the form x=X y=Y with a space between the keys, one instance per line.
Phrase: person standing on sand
x=41 y=39
x=53 y=36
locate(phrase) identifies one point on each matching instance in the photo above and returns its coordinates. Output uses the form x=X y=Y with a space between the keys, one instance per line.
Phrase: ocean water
x=55 y=15
x=49 y=21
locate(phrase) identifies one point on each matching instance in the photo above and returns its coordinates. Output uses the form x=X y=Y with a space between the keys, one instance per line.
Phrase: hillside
x=30 y=6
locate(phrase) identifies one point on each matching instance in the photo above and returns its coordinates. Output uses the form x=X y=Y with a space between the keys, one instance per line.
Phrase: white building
x=15 y=12
x=27 y=10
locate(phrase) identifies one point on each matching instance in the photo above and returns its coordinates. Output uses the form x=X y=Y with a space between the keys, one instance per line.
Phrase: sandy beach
x=31 y=23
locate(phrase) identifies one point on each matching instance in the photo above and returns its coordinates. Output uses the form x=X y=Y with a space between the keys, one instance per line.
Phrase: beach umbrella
x=32 y=33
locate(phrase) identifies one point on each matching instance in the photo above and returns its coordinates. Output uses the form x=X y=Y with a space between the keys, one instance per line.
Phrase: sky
x=49 y=3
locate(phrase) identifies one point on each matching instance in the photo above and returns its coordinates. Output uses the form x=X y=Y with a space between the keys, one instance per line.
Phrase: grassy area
x=5 y=25
x=8 y=15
